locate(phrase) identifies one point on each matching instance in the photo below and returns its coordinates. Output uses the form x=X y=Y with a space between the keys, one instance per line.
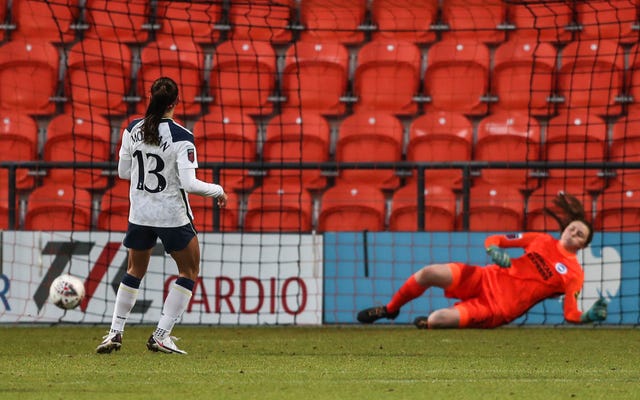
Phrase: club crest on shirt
x=561 y=268
x=191 y=155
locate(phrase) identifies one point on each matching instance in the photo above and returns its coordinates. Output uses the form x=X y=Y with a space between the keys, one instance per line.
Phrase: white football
x=66 y=292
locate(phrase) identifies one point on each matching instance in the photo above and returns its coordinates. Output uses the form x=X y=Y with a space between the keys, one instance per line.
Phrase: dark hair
x=164 y=94
x=570 y=209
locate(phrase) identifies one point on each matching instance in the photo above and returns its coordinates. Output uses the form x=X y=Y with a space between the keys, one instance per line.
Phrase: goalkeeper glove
x=597 y=312
x=499 y=256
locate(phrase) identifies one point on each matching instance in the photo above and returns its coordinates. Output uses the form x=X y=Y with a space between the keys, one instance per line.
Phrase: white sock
x=174 y=305
x=125 y=300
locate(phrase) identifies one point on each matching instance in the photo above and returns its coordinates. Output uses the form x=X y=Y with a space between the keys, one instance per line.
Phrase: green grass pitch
x=333 y=362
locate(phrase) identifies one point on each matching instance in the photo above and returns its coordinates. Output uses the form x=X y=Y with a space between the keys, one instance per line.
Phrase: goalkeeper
x=497 y=294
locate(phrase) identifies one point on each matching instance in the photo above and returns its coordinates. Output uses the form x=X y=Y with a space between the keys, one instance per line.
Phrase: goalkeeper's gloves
x=499 y=256
x=597 y=312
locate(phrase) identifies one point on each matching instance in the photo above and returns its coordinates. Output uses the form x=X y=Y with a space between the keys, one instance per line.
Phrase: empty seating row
x=389 y=75
x=279 y=20
x=343 y=207
x=293 y=137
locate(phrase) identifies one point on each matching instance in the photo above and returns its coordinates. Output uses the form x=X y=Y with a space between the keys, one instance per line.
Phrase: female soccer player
x=158 y=156
x=497 y=294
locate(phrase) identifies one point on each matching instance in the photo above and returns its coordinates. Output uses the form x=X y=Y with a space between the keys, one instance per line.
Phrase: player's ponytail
x=568 y=209
x=164 y=95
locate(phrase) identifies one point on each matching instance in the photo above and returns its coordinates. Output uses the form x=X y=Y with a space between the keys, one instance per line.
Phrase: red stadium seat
x=180 y=59
x=510 y=137
x=474 y=19
x=608 y=19
x=409 y=20
x=457 y=76
x=4 y=208
x=388 y=76
x=296 y=137
x=537 y=219
x=618 y=208
x=275 y=208
x=315 y=76
x=591 y=76
x=441 y=137
x=439 y=209
x=370 y=137
x=267 y=20
x=524 y=76
x=333 y=20
x=98 y=76
x=122 y=21
x=44 y=20
x=541 y=21
x=494 y=208
x=78 y=138
x=352 y=207
x=114 y=208
x=203 y=213
x=3 y=17
x=625 y=147
x=576 y=137
x=189 y=19
x=58 y=207
x=243 y=76
x=226 y=135
x=28 y=76
x=18 y=142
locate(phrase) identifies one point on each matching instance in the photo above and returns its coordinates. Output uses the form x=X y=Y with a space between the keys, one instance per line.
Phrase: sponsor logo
x=561 y=268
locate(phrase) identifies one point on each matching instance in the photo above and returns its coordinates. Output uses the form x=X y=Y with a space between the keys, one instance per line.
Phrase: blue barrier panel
x=355 y=279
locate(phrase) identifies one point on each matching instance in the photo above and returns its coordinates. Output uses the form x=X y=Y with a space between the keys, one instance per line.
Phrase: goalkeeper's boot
x=421 y=322
x=165 y=345
x=110 y=342
x=370 y=315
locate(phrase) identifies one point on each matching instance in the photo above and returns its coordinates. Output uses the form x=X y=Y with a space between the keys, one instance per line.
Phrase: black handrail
x=466 y=166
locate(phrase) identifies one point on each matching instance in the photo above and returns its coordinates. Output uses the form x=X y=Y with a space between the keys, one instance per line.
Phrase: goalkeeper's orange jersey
x=545 y=270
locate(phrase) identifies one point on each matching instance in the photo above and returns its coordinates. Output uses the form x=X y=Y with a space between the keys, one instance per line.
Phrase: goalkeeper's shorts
x=475 y=308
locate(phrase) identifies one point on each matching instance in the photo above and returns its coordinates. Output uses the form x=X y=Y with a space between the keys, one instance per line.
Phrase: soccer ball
x=66 y=292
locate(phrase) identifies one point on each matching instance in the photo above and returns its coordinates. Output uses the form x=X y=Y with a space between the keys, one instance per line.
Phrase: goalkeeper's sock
x=125 y=300
x=407 y=292
x=175 y=304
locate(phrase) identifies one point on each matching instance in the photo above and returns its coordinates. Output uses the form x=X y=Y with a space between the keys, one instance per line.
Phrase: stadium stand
x=124 y=21
x=18 y=142
x=179 y=58
x=352 y=207
x=609 y=20
x=387 y=76
x=408 y=20
x=276 y=208
x=457 y=76
x=474 y=19
x=294 y=137
x=441 y=137
x=625 y=147
x=82 y=138
x=197 y=20
x=494 y=208
x=315 y=76
x=539 y=199
x=267 y=20
x=540 y=21
x=98 y=77
x=370 y=136
x=203 y=209
x=226 y=135
x=53 y=21
x=524 y=75
x=439 y=209
x=618 y=208
x=333 y=20
x=510 y=137
x=58 y=206
x=29 y=76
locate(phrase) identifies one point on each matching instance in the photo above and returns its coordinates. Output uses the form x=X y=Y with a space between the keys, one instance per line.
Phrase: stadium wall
x=305 y=280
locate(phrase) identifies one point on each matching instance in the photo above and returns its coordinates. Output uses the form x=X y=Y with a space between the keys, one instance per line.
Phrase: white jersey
x=156 y=195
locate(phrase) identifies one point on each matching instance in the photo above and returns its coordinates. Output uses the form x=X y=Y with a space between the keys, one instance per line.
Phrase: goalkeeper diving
x=499 y=293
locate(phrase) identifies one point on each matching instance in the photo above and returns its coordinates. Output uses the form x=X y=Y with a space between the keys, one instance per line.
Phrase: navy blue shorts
x=140 y=237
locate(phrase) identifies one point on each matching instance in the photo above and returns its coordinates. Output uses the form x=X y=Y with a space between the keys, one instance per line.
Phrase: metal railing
x=402 y=168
